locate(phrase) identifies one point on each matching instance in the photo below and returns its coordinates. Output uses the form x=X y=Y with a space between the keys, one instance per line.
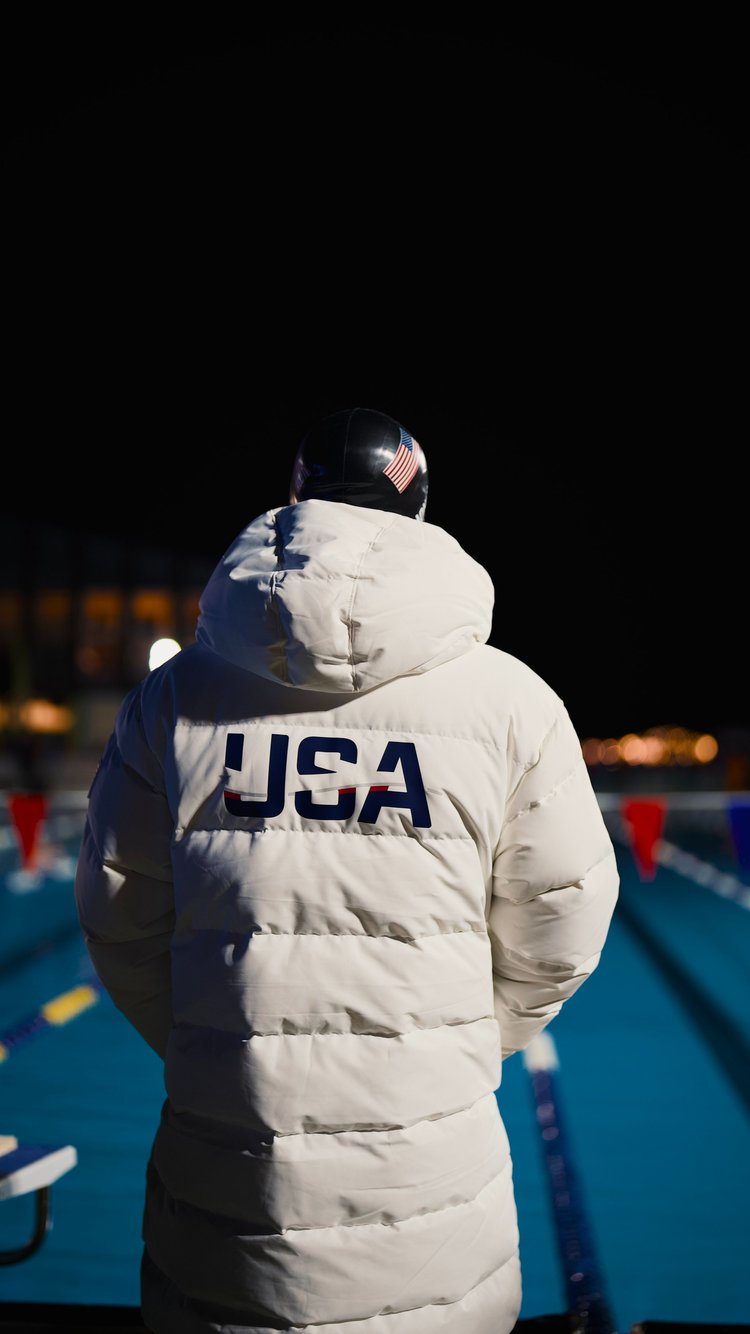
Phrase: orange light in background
x=633 y=749
x=103 y=606
x=705 y=749
x=657 y=746
x=610 y=751
x=41 y=715
x=153 y=605
x=592 y=750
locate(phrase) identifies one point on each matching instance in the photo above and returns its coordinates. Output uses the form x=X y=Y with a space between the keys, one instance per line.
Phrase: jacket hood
x=326 y=596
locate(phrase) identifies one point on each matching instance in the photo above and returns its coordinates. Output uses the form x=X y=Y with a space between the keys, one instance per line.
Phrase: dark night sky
x=523 y=243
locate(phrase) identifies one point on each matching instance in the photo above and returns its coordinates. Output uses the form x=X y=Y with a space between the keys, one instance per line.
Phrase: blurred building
x=78 y=617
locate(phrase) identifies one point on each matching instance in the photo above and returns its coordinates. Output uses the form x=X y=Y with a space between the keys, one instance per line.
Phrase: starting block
x=32 y=1167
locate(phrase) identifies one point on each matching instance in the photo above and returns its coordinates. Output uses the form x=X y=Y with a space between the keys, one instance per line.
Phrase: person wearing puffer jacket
x=341 y=859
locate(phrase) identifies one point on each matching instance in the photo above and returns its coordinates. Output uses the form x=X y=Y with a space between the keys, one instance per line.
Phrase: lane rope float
x=53 y=1014
x=582 y=1275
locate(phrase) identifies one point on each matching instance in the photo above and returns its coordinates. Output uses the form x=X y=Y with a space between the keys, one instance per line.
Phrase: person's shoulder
x=519 y=681
x=521 y=702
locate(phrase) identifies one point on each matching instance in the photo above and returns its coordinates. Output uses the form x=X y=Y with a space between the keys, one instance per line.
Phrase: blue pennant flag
x=738 y=811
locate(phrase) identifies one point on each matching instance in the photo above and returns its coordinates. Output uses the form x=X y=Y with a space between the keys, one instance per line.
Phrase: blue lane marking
x=582 y=1275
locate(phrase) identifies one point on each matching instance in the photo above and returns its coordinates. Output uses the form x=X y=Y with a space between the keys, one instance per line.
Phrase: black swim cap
x=361 y=457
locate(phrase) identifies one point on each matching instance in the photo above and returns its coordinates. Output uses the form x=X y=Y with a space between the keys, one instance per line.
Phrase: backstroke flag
x=645 y=821
x=28 y=811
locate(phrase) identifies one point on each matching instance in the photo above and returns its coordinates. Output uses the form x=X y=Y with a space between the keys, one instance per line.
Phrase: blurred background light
x=656 y=746
x=161 y=651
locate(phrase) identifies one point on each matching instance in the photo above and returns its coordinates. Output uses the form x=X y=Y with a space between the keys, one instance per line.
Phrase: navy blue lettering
x=235 y=747
x=396 y=753
x=343 y=809
x=413 y=799
x=276 y=790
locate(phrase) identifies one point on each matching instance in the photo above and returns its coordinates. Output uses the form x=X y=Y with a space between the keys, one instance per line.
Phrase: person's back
x=342 y=857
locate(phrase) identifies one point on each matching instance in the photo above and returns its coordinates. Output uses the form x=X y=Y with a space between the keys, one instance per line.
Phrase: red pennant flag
x=645 y=819
x=28 y=811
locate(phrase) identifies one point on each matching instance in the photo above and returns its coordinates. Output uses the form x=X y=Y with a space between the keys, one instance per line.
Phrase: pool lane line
x=690 y=867
x=53 y=1014
x=584 y=1281
x=721 y=1033
x=723 y=883
x=30 y=954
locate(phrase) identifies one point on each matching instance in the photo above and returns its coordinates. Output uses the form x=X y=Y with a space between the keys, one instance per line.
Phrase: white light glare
x=161 y=651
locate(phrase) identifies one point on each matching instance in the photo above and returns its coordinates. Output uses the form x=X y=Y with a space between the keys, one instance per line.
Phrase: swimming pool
x=653 y=1082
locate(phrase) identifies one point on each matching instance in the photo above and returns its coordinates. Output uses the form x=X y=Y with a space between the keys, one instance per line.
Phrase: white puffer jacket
x=341 y=858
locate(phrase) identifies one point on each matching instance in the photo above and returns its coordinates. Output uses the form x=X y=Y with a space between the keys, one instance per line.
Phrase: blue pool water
x=652 y=1079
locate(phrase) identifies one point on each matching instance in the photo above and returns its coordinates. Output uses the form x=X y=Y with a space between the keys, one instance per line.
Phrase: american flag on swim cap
x=405 y=462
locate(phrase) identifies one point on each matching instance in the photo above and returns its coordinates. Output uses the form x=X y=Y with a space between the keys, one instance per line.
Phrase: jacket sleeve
x=123 y=884
x=554 y=888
